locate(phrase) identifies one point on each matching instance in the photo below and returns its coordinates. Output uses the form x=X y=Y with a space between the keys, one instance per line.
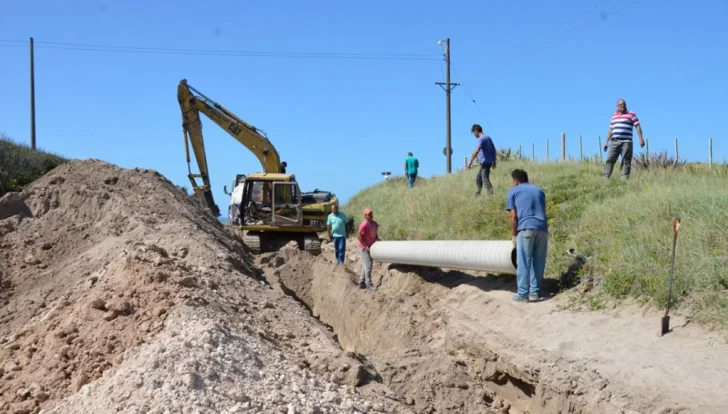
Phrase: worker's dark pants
x=340 y=248
x=615 y=149
x=484 y=178
x=411 y=178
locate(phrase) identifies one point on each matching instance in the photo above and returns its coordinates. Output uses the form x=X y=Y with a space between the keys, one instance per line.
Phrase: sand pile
x=118 y=294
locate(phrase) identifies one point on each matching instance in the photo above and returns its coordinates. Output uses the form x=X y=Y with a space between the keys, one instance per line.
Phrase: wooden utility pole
x=32 y=97
x=448 y=87
x=563 y=146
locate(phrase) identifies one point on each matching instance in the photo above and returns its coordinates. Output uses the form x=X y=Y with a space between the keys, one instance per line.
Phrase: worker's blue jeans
x=340 y=248
x=411 y=179
x=531 y=259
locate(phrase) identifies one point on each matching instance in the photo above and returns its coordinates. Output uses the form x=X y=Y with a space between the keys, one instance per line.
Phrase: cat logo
x=234 y=128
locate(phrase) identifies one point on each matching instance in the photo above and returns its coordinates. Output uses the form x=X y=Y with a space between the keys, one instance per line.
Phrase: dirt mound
x=118 y=294
x=455 y=342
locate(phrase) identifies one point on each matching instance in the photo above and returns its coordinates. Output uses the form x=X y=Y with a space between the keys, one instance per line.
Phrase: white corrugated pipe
x=493 y=256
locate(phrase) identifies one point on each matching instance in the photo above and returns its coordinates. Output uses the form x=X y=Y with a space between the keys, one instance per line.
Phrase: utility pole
x=448 y=87
x=32 y=97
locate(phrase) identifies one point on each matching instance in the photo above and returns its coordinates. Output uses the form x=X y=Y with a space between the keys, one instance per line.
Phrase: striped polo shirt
x=621 y=125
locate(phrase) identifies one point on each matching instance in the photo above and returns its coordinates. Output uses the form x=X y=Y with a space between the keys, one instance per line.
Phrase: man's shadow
x=490 y=282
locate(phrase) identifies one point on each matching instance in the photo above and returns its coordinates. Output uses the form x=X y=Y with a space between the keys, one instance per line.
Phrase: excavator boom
x=192 y=102
x=268 y=206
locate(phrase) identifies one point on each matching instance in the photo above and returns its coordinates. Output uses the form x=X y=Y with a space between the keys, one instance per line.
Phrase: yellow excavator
x=268 y=206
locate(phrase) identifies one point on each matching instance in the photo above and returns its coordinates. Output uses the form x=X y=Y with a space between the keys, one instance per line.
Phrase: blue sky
x=535 y=69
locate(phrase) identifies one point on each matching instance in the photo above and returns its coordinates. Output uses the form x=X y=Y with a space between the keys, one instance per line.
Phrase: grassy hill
x=20 y=165
x=624 y=229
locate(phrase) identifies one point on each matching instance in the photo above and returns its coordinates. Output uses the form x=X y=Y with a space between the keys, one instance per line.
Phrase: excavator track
x=312 y=244
x=252 y=242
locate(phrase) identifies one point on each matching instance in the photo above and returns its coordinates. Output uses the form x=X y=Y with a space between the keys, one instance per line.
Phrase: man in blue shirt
x=485 y=150
x=529 y=230
x=411 y=165
x=336 y=224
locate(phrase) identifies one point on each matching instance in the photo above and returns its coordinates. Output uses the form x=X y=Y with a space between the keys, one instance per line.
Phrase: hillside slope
x=622 y=229
x=20 y=165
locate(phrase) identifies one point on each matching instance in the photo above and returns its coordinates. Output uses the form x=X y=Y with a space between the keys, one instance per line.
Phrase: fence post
x=600 y=149
x=677 y=157
x=710 y=152
x=547 y=150
x=533 y=151
x=563 y=146
x=581 y=150
x=647 y=149
x=466 y=162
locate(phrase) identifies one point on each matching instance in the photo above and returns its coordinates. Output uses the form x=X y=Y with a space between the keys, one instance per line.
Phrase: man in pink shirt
x=367 y=235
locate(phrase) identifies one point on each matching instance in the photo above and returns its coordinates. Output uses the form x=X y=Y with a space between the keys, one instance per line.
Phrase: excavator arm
x=192 y=102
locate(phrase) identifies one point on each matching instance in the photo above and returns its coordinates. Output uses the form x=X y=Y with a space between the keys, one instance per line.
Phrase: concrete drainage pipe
x=492 y=256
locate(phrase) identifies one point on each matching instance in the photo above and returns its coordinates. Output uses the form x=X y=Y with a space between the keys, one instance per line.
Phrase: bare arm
x=609 y=136
x=328 y=226
x=473 y=155
x=639 y=131
x=514 y=223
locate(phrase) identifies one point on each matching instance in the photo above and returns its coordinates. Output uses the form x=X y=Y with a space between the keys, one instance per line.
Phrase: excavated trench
x=428 y=341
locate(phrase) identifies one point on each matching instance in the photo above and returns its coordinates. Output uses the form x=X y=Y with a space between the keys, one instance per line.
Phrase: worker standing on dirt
x=529 y=230
x=620 y=134
x=485 y=150
x=411 y=166
x=336 y=224
x=368 y=234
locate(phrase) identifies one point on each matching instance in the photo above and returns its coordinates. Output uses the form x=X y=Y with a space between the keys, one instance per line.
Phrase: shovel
x=666 y=318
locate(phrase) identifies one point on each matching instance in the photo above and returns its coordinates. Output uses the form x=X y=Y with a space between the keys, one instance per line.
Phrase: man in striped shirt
x=620 y=135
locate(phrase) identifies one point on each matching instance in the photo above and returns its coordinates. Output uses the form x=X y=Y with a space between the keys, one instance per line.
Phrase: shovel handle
x=675 y=224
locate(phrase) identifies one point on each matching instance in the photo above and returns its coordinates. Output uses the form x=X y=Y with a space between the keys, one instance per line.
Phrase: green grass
x=624 y=228
x=20 y=165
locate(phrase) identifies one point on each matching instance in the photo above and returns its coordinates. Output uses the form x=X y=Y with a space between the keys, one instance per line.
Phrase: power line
x=490 y=126
x=242 y=53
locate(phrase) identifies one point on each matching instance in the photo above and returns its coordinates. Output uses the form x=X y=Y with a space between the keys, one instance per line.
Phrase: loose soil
x=118 y=294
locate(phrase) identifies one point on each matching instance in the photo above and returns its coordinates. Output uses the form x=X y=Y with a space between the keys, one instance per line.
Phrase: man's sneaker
x=533 y=298
x=362 y=286
x=519 y=298
x=370 y=287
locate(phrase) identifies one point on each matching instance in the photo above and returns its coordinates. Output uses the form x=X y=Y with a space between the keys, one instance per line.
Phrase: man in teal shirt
x=336 y=223
x=411 y=164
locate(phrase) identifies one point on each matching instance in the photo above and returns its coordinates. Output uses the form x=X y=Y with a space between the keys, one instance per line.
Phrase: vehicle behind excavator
x=268 y=206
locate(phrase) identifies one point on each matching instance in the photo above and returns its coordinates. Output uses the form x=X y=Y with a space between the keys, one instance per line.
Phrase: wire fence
x=663 y=158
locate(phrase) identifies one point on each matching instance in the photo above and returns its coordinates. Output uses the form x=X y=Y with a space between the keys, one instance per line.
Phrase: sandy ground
x=118 y=294
x=456 y=342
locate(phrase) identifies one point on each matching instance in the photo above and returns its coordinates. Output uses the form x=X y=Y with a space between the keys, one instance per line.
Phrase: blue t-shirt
x=412 y=165
x=338 y=224
x=530 y=204
x=486 y=155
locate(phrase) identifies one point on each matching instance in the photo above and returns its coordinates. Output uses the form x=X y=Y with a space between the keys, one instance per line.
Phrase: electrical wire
x=462 y=83
x=240 y=53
